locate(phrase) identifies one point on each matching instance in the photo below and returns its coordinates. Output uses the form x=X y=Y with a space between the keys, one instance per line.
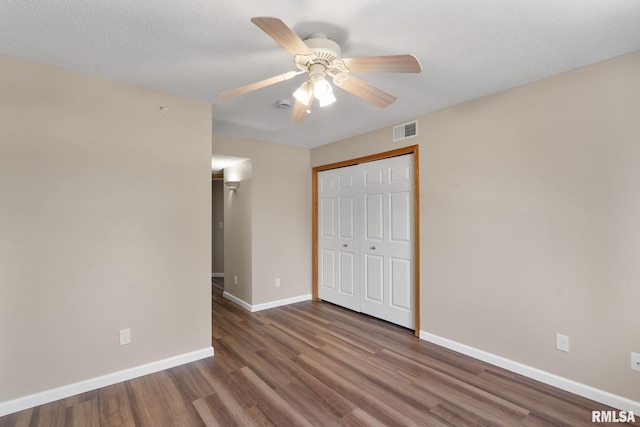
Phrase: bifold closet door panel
x=338 y=238
x=365 y=238
x=386 y=246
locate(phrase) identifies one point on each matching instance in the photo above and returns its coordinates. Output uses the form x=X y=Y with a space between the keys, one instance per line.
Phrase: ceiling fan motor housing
x=325 y=51
x=323 y=47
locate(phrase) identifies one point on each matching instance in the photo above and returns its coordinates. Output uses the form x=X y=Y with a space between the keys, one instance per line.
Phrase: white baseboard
x=237 y=300
x=601 y=396
x=63 y=392
x=217 y=275
x=266 y=305
x=279 y=303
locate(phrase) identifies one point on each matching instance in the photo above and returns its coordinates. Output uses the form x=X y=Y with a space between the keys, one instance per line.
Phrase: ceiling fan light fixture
x=323 y=91
x=322 y=88
x=319 y=57
x=328 y=99
x=304 y=93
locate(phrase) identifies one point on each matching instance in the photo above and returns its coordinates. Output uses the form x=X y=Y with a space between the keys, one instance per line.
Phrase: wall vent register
x=407 y=130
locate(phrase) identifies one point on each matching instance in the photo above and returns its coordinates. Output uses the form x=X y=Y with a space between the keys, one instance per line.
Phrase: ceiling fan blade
x=383 y=64
x=258 y=85
x=279 y=31
x=368 y=92
x=299 y=111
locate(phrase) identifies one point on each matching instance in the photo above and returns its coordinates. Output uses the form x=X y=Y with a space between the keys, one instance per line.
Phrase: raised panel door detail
x=345 y=181
x=400 y=216
x=328 y=270
x=399 y=174
x=347 y=282
x=373 y=177
x=346 y=209
x=373 y=282
x=327 y=183
x=374 y=226
x=327 y=209
x=401 y=286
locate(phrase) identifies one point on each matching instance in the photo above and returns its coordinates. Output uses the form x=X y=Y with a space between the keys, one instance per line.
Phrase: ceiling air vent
x=407 y=130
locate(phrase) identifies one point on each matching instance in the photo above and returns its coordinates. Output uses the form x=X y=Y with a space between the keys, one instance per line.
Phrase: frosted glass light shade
x=303 y=93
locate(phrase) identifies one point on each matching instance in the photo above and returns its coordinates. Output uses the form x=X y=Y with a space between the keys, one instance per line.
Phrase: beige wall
x=104 y=224
x=280 y=217
x=238 y=232
x=530 y=221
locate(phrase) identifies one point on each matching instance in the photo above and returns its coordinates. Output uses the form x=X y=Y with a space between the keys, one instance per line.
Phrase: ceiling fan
x=319 y=57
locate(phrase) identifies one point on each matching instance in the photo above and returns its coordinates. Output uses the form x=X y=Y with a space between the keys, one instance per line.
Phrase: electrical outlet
x=277 y=283
x=562 y=342
x=235 y=280
x=125 y=336
x=635 y=361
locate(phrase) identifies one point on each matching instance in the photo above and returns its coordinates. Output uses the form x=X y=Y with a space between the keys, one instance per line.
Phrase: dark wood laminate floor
x=314 y=364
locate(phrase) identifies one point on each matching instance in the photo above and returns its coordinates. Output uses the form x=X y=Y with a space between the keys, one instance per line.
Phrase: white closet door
x=338 y=238
x=365 y=238
x=386 y=260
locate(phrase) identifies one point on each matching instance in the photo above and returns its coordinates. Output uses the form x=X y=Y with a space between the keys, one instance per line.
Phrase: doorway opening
x=218 y=165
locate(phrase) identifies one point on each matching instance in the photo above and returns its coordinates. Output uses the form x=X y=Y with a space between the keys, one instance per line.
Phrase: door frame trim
x=412 y=149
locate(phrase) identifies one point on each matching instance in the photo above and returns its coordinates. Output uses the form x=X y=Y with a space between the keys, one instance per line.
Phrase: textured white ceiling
x=198 y=48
